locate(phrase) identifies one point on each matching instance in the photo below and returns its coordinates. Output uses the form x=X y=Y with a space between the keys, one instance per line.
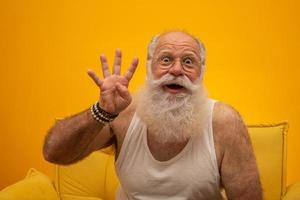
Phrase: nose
x=176 y=69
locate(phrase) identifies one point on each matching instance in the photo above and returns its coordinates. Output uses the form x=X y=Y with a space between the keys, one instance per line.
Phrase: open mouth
x=174 y=88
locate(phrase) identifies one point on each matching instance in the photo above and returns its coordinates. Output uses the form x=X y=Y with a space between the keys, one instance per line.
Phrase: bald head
x=178 y=38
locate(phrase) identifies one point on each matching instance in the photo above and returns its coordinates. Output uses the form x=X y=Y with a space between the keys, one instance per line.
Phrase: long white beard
x=172 y=117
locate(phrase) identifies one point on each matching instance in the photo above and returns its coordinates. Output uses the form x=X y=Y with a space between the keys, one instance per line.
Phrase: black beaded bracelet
x=104 y=113
x=98 y=114
x=101 y=115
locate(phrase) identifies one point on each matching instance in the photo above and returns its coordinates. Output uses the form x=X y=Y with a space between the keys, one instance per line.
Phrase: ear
x=202 y=71
x=149 y=74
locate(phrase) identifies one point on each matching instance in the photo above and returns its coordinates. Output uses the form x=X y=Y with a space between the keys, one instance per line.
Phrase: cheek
x=194 y=75
x=158 y=72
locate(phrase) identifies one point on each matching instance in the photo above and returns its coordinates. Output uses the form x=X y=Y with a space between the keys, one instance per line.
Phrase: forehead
x=177 y=41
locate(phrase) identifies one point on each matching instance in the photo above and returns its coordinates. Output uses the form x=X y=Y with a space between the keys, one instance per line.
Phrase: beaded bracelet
x=101 y=115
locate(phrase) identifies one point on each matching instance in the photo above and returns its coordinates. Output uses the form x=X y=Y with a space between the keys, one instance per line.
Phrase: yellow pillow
x=35 y=186
x=269 y=144
x=76 y=197
x=83 y=179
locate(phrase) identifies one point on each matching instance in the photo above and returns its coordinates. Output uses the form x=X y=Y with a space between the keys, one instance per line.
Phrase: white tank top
x=191 y=175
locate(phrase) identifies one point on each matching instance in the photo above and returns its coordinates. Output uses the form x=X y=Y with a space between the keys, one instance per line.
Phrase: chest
x=163 y=171
x=164 y=151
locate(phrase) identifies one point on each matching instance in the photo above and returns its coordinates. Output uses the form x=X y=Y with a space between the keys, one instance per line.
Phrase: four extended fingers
x=116 y=68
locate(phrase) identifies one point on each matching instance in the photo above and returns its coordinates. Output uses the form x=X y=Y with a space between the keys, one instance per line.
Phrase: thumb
x=123 y=92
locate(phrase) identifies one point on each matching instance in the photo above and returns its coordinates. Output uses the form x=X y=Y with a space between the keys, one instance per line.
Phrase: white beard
x=172 y=117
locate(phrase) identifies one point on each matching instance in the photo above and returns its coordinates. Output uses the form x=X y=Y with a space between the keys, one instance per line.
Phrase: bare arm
x=72 y=138
x=239 y=173
x=75 y=137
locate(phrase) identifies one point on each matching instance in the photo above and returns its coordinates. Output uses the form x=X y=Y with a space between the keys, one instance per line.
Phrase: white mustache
x=170 y=79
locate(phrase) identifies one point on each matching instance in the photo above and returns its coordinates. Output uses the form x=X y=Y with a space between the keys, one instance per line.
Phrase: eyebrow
x=185 y=53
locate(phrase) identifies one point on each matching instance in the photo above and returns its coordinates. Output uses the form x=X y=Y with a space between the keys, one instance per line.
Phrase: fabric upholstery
x=269 y=143
x=293 y=192
x=75 y=197
x=111 y=179
x=85 y=178
x=35 y=186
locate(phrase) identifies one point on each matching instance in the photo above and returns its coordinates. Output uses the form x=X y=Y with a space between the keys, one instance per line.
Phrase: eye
x=188 y=61
x=165 y=60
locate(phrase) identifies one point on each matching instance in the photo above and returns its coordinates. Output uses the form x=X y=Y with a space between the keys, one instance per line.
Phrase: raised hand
x=114 y=94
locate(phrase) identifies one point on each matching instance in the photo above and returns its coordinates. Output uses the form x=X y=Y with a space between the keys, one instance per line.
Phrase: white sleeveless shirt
x=191 y=175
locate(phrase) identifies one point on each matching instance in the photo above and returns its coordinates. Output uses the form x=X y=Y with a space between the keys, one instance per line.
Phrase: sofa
x=94 y=177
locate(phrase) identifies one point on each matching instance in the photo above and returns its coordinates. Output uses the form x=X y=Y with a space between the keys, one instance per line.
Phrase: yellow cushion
x=112 y=181
x=293 y=192
x=36 y=186
x=269 y=143
x=86 y=178
x=75 y=197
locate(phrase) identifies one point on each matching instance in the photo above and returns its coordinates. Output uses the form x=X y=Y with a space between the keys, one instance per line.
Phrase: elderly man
x=172 y=141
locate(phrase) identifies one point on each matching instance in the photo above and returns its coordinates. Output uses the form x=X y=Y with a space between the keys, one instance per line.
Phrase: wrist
x=100 y=115
x=107 y=106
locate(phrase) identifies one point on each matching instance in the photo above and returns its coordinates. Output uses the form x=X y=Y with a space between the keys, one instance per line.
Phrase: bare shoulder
x=228 y=129
x=224 y=113
x=227 y=121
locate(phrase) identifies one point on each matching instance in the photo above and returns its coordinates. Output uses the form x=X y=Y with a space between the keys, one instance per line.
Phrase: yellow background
x=253 y=63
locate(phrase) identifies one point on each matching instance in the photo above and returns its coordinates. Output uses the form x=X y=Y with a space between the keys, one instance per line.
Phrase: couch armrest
x=35 y=186
x=293 y=192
